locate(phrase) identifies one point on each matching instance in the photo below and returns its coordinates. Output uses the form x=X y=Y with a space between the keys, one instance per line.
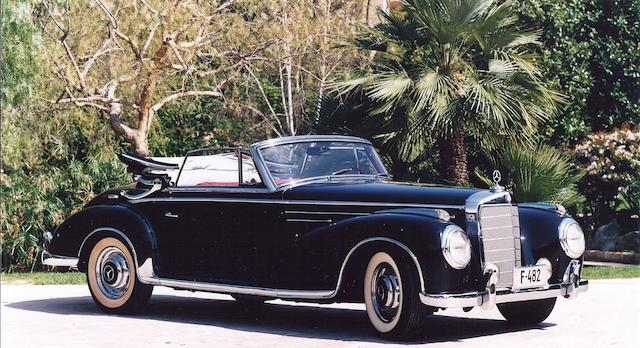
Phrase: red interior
x=219 y=183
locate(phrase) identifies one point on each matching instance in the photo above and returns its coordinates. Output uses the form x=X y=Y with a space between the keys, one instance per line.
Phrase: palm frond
x=502 y=67
x=389 y=85
x=352 y=85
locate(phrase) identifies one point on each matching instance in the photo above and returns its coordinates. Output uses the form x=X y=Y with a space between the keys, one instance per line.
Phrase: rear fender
x=76 y=236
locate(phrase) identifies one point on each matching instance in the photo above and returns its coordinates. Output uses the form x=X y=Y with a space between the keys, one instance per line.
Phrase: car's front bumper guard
x=487 y=299
x=569 y=288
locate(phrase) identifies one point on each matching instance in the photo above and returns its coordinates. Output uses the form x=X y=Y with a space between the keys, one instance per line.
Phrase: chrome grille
x=500 y=231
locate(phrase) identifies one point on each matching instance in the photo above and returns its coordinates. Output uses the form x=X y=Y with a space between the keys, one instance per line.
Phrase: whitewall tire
x=111 y=276
x=391 y=296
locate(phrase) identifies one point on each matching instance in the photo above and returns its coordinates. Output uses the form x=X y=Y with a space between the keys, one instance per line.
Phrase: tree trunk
x=140 y=144
x=453 y=157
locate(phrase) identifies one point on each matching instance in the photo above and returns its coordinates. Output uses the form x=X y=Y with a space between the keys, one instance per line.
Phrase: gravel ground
x=65 y=316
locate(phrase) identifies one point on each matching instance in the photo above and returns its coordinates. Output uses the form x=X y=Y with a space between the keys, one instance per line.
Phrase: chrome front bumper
x=486 y=299
x=570 y=287
x=58 y=261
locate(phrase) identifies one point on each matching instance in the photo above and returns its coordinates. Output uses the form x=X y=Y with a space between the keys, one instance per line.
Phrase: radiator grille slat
x=500 y=230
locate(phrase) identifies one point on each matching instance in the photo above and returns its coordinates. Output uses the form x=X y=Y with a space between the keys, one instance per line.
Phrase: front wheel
x=391 y=296
x=111 y=275
x=528 y=312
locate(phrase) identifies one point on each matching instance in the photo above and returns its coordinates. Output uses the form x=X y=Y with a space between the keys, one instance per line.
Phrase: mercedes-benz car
x=319 y=219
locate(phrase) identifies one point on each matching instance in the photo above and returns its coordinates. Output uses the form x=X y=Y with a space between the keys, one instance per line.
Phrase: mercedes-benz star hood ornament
x=496 y=182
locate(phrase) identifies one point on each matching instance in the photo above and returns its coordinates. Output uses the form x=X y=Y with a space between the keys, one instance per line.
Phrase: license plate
x=530 y=277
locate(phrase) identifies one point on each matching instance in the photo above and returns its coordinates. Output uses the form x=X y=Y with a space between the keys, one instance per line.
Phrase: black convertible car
x=318 y=219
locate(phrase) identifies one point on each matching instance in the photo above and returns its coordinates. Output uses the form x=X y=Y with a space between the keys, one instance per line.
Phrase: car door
x=235 y=230
x=174 y=236
x=219 y=220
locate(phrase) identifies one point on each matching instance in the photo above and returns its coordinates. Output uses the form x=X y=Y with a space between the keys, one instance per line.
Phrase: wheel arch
x=352 y=272
x=337 y=246
x=78 y=234
x=94 y=237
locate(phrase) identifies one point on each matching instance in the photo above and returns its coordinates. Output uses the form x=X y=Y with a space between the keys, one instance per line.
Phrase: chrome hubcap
x=385 y=292
x=112 y=273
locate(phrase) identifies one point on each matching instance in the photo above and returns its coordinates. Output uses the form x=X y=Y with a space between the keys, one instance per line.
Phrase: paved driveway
x=65 y=316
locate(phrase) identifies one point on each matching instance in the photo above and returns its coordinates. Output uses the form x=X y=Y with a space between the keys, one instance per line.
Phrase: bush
x=51 y=166
x=611 y=161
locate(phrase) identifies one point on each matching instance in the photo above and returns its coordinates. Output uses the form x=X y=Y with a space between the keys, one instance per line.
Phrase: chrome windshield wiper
x=342 y=171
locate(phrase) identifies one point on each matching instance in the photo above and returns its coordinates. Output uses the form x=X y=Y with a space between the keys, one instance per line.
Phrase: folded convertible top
x=140 y=165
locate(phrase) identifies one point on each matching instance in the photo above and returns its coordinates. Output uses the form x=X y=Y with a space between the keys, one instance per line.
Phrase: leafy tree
x=292 y=75
x=457 y=68
x=125 y=59
x=590 y=52
x=20 y=66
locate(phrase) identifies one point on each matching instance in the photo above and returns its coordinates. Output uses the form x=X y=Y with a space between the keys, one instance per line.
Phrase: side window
x=219 y=168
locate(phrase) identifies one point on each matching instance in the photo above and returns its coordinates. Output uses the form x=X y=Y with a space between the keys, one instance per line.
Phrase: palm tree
x=461 y=70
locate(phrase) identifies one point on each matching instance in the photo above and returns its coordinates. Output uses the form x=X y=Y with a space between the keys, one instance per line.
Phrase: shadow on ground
x=281 y=318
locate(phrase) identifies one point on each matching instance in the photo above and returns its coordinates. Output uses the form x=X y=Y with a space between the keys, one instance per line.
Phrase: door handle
x=171 y=215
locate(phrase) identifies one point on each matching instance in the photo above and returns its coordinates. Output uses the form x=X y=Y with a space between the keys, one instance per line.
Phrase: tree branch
x=179 y=95
x=224 y=5
x=63 y=40
x=264 y=96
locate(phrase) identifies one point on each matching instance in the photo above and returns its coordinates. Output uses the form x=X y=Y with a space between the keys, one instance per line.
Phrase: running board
x=147 y=276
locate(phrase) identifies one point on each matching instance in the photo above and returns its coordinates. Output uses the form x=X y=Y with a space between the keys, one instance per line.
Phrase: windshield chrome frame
x=270 y=182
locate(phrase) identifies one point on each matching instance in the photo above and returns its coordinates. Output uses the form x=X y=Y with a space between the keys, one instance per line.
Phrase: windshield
x=296 y=161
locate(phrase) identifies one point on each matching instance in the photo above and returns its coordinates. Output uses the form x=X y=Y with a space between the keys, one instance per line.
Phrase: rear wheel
x=111 y=275
x=528 y=312
x=391 y=296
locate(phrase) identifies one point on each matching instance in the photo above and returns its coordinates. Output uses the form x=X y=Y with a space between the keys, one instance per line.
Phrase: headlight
x=571 y=238
x=456 y=247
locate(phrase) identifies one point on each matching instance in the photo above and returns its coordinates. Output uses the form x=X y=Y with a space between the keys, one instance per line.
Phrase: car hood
x=377 y=191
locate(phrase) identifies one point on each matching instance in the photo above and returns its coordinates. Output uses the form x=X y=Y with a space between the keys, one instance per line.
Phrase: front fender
x=539 y=237
x=326 y=251
x=77 y=234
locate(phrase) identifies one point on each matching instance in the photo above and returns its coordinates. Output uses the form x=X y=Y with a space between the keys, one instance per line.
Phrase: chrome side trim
x=58 y=260
x=473 y=299
x=146 y=275
x=437 y=213
x=217 y=189
x=473 y=202
x=118 y=232
x=310 y=220
x=552 y=207
x=324 y=212
x=300 y=202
